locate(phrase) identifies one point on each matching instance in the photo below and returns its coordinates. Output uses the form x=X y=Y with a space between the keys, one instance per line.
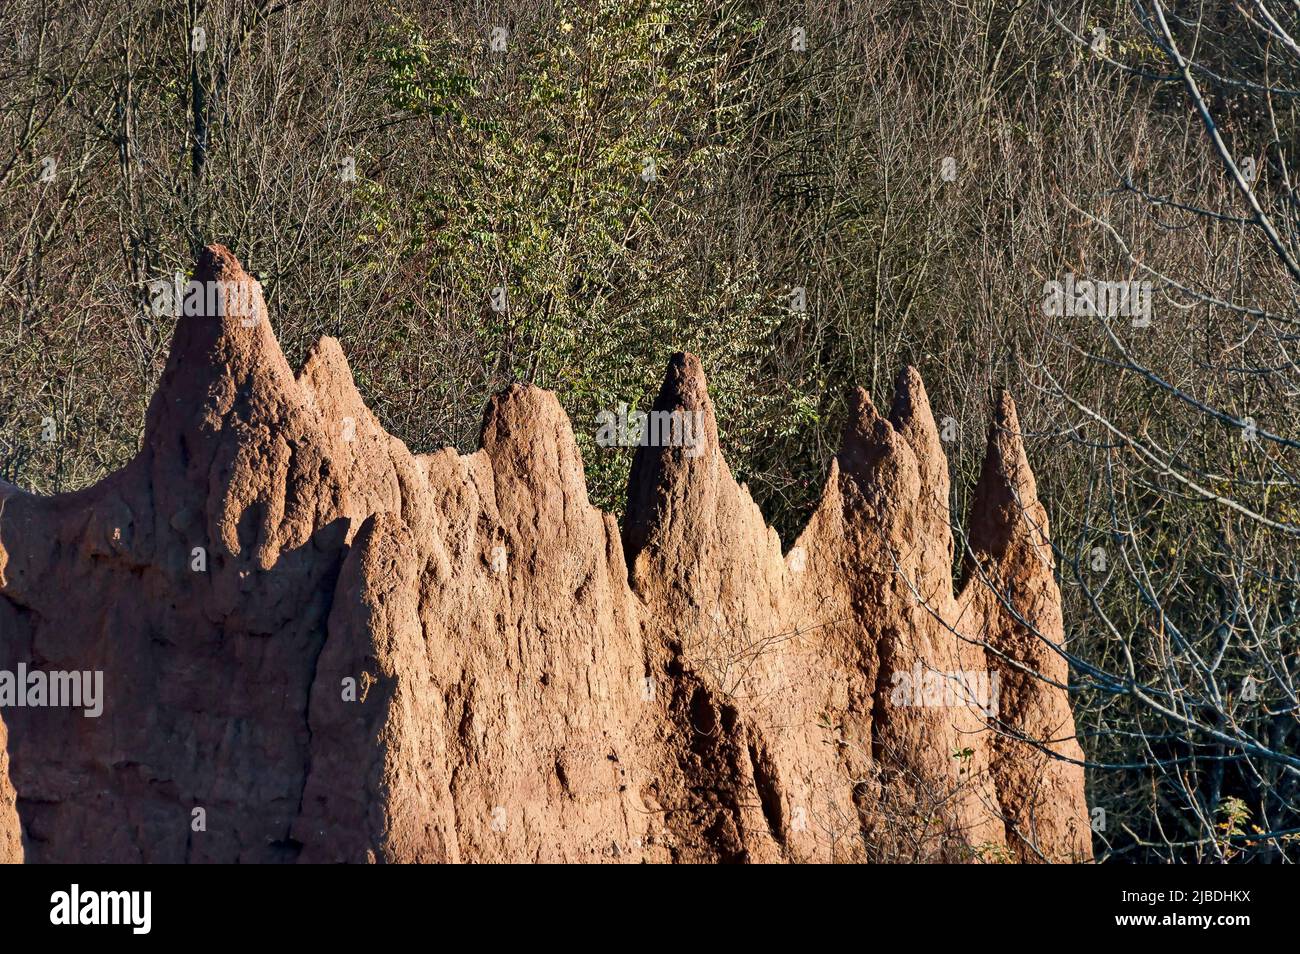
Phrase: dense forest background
x=808 y=195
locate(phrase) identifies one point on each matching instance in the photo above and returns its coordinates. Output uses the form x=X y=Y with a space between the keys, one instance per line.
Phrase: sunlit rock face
x=316 y=646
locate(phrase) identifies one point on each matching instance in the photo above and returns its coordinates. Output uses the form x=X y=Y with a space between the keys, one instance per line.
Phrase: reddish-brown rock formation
x=11 y=844
x=317 y=646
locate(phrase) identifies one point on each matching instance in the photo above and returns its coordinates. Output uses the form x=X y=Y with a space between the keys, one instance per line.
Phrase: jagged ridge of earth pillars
x=342 y=651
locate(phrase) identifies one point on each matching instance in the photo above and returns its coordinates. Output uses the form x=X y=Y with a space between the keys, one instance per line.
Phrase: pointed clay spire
x=866 y=433
x=675 y=468
x=224 y=356
x=876 y=458
x=327 y=383
x=912 y=418
x=1018 y=608
x=526 y=433
x=1006 y=506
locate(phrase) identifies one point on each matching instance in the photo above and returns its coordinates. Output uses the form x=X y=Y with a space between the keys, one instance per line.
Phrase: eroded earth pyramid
x=317 y=646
